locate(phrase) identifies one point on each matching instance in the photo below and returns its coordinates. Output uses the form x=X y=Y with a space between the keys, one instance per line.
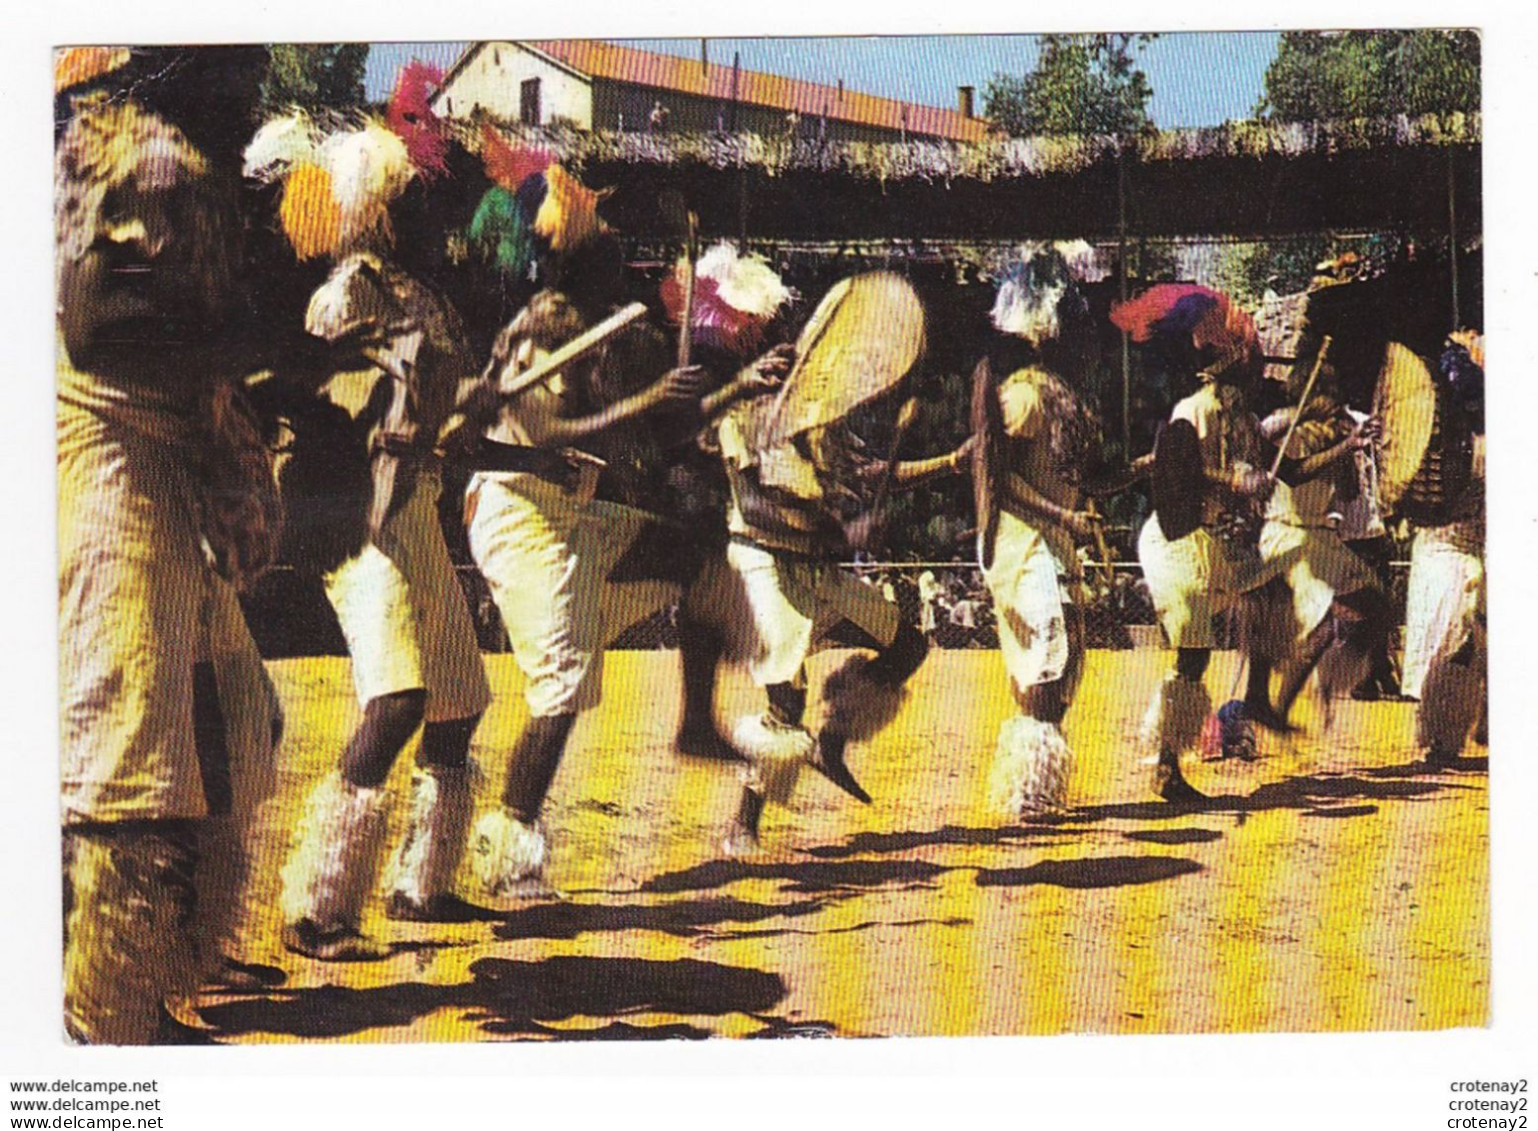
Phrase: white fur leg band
x=858 y=706
x=509 y=855
x=1451 y=697
x=335 y=861
x=425 y=864
x=1177 y=714
x=1031 y=769
x=775 y=753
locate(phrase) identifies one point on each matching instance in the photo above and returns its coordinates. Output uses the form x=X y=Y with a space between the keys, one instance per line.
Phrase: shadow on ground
x=683 y=918
x=1015 y=836
x=1309 y=792
x=799 y=876
x=1090 y=872
x=517 y=998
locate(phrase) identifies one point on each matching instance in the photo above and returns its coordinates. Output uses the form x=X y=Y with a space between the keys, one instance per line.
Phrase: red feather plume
x=410 y=115
x=507 y=166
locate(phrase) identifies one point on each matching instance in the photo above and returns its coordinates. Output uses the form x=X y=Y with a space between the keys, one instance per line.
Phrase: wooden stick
x=1308 y=388
x=870 y=523
x=686 y=325
x=1101 y=548
x=583 y=344
x=905 y=418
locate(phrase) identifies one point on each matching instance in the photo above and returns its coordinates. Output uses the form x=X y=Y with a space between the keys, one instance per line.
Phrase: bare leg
x=388 y=723
x=699 y=655
x=531 y=768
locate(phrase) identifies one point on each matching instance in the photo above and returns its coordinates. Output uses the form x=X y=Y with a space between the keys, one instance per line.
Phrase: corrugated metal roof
x=599 y=59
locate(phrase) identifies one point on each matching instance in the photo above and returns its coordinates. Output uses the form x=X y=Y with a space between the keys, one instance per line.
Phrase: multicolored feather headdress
x=534 y=206
x=1209 y=318
x=735 y=297
x=337 y=187
x=1041 y=285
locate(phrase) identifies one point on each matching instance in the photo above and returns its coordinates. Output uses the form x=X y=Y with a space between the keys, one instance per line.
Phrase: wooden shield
x=1179 y=480
x=987 y=457
x=1405 y=402
x=862 y=339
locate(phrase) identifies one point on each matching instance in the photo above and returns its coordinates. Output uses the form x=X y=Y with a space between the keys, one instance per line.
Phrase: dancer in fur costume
x=166 y=504
x=1333 y=616
x=1446 y=656
x=569 y=570
x=1210 y=455
x=397 y=354
x=778 y=591
x=1034 y=438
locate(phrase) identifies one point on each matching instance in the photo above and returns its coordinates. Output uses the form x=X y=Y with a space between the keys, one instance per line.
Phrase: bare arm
x=1027 y=498
x=763 y=376
x=1113 y=482
x=1295 y=471
x=916 y=472
x=676 y=388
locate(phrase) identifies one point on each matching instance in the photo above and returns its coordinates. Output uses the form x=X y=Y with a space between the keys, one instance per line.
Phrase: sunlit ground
x=1335 y=885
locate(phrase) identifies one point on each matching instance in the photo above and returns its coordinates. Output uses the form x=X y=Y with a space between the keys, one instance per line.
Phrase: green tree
x=1082 y=84
x=1370 y=74
x=314 y=76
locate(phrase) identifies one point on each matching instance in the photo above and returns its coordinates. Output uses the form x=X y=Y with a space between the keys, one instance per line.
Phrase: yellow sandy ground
x=1336 y=885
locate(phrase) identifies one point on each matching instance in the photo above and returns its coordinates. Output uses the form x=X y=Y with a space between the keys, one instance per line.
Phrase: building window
x=528 y=102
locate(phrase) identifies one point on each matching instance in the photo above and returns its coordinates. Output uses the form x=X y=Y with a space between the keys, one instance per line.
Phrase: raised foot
x=828 y=760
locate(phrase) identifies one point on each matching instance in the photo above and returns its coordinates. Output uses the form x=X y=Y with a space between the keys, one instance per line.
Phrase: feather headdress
x=337 y=187
x=76 y=66
x=1038 y=287
x=568 y=216
x=735 y=296
x=501 y=234
x=281 y=146
x=410 y=115
x=507 y=166
x=533 y=206
x=1208 y=318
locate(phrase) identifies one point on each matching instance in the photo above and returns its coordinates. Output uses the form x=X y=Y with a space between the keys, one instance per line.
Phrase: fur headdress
x=1041 y=285
x=735 y=296
x=110 y=145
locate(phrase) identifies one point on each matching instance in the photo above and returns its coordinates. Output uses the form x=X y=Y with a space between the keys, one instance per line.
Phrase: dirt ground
x=1335 y=884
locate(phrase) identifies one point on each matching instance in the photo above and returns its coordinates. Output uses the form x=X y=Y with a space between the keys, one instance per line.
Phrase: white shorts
x=1317 y=566
x=405 y=617
x=775 y=608
x=1191 y=580
x=1445 y=602
x=1031 y=584
x=546 y=554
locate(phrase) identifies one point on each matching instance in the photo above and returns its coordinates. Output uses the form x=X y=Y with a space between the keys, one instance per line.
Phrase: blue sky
x=1199 y=78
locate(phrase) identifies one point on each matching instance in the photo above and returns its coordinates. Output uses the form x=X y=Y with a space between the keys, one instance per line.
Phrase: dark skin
x=536 y=757
x=130 y=306
x=1354 y=621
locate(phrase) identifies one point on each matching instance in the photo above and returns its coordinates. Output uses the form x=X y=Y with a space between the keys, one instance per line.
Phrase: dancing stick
x=1308 y=388
x=580 y=346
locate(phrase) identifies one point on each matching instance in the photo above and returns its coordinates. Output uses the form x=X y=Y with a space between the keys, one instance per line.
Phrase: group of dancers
x=610 y=475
